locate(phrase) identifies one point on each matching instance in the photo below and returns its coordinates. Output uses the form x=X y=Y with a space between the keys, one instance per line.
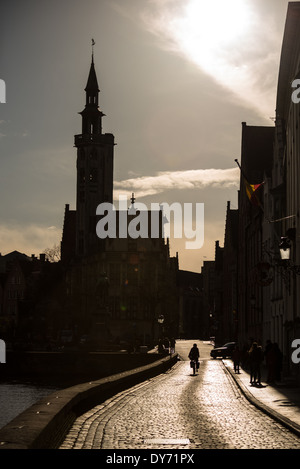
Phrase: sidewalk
x=281 y=401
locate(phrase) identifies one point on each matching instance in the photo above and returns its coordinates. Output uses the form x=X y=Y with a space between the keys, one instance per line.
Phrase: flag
x=252 y=192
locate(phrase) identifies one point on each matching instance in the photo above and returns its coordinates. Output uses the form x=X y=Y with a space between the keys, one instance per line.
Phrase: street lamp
x=160 y=321
x=285 y=249
x=285 y=255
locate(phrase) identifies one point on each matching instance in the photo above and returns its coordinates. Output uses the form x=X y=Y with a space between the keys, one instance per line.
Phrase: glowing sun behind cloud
x=207 y=29
x=225 y=39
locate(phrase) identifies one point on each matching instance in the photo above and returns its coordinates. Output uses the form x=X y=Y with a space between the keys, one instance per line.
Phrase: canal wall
x=69 y=367
x=45 y=424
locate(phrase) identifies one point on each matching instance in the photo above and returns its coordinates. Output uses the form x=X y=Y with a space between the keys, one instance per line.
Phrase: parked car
x=224 y=351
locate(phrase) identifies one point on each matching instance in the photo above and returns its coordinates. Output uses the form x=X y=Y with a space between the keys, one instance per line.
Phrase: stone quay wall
x=45 y=424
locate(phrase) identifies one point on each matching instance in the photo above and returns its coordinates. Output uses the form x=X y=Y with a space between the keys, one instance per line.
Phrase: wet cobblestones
x=206 y=411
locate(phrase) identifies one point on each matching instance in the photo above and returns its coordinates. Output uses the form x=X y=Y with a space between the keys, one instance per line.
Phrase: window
x=93 y=175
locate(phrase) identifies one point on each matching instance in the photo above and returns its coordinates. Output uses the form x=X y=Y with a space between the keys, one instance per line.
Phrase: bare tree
x=53 y=254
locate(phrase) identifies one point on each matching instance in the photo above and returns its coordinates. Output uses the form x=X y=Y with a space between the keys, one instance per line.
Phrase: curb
x=292 y=426
x=44 y=425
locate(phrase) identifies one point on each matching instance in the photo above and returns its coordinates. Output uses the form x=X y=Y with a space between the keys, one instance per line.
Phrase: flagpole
x=237 y=162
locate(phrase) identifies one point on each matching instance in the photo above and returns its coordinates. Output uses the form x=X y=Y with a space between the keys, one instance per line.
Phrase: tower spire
x=95 y=156
x=92 y=83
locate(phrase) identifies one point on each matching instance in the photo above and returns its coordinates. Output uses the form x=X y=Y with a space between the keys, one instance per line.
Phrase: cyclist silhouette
x=194 y=356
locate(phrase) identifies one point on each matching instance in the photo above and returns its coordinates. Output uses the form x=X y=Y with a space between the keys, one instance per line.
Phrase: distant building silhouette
x=103 y=293
x=116 y=287
x=31 y=300
x=256 y=163
x=95 y=162
x=230 y=292
x=191 y=317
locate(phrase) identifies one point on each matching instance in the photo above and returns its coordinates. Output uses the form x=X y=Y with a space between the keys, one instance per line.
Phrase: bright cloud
x=190 y=179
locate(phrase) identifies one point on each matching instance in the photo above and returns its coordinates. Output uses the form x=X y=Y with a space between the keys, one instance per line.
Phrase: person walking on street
x=236 y=357
x=256 y=357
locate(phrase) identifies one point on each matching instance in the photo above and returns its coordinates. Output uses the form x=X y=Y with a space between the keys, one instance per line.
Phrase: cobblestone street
x=176 y=410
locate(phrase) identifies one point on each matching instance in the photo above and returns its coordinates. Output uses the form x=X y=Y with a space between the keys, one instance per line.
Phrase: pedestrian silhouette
x=255 y=358
x=236 y=357
x=172 y=345
x=194 y=354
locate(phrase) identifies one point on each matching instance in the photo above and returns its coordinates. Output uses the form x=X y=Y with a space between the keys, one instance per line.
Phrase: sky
x=177 y=78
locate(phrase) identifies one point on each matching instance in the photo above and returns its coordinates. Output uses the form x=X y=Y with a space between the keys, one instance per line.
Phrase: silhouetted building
x=191 y=318
x=256 y=162
x=95 y=161
x=209 y=285
x=31 y=301
x=116 y=286
x=218 y=292
x=230 y=256
x=284 y=318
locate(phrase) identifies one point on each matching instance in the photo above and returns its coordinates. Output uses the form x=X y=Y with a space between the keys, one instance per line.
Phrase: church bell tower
x=95 y=160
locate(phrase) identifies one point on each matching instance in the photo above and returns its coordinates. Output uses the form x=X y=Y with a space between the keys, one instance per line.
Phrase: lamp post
x=285 y=255
x=160 y=321
x=285 y=249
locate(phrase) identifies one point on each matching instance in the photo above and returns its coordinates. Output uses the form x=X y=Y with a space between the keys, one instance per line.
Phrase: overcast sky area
x=177 y=79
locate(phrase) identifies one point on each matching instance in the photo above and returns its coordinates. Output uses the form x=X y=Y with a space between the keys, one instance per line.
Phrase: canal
x=15 y=397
